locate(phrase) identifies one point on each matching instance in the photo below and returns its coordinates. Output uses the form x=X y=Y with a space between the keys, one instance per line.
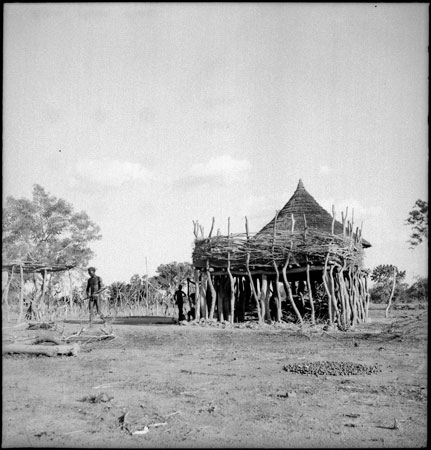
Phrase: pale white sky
x=168 y=113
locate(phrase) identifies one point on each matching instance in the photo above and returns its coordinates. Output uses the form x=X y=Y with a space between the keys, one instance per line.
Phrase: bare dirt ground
x=210 y=387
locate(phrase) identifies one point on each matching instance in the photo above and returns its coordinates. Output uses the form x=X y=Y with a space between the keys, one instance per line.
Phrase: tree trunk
x=392 y=293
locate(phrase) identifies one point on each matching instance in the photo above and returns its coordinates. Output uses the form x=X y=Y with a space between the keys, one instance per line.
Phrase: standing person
x=94 y=286
x=179 y=301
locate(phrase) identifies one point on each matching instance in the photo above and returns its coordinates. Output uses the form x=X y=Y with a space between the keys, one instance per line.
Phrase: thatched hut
x=303 y=255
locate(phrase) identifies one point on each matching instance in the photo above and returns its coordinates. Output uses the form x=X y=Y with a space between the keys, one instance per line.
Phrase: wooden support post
x=232 y=291
x=277 y=275
x=42 y=297
x=253 y=289
x=203 y=296
x=277 y=292
x=333 y=297
x=213 y=292
x=220 y=297
x=289 y=291
x=246 y=228
x=343 y=221
x=333 y=220
x=325 y=277
x=197 y=296
x=212 y=227
x=344 y=299
x=264 y=298
x=195 y=229
x=146 y=280
x=329 y=309
x=310 y=294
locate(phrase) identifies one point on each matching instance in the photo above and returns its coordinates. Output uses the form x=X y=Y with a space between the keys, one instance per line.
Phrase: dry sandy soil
x=212 y=387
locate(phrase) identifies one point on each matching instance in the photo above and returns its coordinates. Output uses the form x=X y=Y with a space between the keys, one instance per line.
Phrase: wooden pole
x=21 y=297
x=328 y=293
x=42 y=298
x=333 y=297
x=310 y=294
x=289 y=291
x=146 y=279
x=253 y=289
x=277 y=275
x=333 y=220
x=264 y=298
x=277 y=291
x=212 y=290
x=343 y=221
x=5 y=293
x=203 y=298
x=195 y=229
x=212 y=227
x=232 y=291
x=220 y=297
x=197 y=296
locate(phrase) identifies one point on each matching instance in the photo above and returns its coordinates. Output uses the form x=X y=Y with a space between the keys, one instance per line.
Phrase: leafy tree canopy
x=169 y=276
x=419 y=289
x=418 y=220
x=383 y=274
x=46 y=229
x=383 y=277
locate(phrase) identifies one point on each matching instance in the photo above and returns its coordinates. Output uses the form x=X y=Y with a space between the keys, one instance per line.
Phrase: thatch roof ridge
x=303 y=203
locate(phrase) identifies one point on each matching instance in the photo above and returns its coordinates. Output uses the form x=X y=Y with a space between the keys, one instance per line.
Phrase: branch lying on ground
x=47 y=350
x=86 y=339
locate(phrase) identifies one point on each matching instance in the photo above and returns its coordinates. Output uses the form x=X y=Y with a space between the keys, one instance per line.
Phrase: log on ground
x=47 y=350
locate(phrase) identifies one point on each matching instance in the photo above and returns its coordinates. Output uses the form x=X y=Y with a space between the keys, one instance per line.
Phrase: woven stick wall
x=308 y=245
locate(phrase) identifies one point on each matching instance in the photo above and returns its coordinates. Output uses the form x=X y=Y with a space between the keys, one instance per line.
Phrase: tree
x=387 y=277
x=419 y=289
x=46 y=229
x=169 y=276
x=418 y=219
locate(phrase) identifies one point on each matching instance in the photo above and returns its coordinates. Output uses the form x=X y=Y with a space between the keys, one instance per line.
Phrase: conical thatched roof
x=302 y=203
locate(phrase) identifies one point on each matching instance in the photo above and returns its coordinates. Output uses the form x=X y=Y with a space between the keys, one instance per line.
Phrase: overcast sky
x=149 y=116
